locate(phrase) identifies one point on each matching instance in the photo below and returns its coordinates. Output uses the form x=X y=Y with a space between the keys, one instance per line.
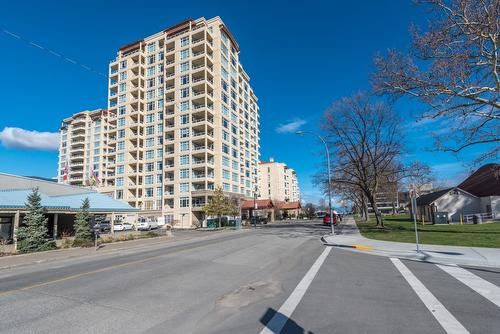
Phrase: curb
x=355 y=246
x=72 y=256
x=415 y=257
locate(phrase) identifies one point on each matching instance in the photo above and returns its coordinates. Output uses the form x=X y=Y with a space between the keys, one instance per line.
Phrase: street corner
x=329 y=240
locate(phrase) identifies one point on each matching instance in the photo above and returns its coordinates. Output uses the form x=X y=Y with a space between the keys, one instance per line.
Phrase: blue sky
x=300 y=56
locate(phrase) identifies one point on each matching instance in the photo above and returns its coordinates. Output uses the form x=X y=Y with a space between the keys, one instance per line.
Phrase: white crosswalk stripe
x=449 y=323
x=486 y=289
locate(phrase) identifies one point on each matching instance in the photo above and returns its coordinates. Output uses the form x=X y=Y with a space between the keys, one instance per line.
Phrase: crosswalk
x=446 y=319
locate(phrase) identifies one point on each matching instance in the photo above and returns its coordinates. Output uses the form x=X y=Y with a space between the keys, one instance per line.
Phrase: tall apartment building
x=277 y=182
x=186 y=121
x=82 y=148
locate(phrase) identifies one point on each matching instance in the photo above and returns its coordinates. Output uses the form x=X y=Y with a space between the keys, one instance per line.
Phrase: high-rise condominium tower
x=82 y=148
x=278 y=182
x=186 y=121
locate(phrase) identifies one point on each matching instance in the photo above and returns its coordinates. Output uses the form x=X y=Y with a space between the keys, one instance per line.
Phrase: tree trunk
x=378 y=216
x=364 y=208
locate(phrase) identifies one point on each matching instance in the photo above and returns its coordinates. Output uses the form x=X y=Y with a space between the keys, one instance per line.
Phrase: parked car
x=326 y=219
x=103 y=226
x=146 y=224
x=123 y=227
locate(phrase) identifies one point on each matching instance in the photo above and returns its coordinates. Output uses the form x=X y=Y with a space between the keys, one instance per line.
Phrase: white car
x=123 y=227
x=145 y=224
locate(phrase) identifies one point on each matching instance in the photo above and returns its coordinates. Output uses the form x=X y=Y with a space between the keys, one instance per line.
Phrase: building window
x=119 y=194
x=184 y=67
x=184 y=119
x=184 y=92
x=184 y=159
x=151 y=47
x=119 y=181
x=184 y=188
x=184 y=132
x=184 y=41
x=184 y=146
x=225 y=148
x=184 y=202
x=184 y=173
x=184 y=79
x=184 y=106
x=184 y=54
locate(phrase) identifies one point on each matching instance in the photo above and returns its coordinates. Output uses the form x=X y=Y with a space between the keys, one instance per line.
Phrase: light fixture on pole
x=301 y=133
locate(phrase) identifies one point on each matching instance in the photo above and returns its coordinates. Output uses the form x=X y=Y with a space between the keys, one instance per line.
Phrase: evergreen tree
x=32 y=235
x=84 y=235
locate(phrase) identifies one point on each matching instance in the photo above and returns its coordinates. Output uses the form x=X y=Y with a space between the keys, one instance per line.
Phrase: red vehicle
x=326 y=219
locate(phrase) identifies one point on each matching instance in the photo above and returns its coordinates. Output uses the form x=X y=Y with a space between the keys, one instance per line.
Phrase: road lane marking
x=486 y=289
x=449 y=323
x=278 y=321
x=119 y=265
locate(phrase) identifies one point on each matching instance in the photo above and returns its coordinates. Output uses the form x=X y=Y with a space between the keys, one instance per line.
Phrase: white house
x=478 y=195
x=452 y=201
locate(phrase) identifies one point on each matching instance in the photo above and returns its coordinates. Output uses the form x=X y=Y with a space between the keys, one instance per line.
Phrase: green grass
x=400 y=228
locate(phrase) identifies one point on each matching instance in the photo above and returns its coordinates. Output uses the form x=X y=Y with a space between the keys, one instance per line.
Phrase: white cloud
x=29 y=140
x=290 y=126
x=447 y=167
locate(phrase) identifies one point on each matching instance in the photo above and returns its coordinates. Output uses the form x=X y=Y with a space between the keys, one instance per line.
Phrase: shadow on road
x=290 y=327
x=295 y=229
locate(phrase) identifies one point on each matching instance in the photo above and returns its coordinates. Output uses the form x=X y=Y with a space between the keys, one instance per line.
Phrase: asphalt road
x=245 y=282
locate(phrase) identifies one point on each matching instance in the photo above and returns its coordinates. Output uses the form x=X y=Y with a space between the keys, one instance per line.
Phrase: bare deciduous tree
x=419 y=175
x=454 y=68
x=364 y=137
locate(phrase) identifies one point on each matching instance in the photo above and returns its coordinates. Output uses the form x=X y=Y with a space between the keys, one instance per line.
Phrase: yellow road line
x=67 y=278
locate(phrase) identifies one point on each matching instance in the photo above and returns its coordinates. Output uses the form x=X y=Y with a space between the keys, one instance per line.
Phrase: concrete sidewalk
x=348 y=236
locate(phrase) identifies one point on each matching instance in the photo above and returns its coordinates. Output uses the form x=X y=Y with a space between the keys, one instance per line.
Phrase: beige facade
x=277 y=182
x=82 y=148
x=186 y=120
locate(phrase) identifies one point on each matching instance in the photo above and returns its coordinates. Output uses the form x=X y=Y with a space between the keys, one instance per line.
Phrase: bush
x=122 y=237
x=106 y=239
x=82 y=243
x=67 y=243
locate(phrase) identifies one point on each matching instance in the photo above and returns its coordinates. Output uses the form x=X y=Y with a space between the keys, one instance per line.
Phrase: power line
x=52 y=52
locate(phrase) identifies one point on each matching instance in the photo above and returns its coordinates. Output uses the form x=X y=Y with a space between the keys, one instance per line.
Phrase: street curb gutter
x=414 y=257
x=355 y=246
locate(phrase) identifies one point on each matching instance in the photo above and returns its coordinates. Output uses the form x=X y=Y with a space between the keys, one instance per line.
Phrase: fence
x=481 y=217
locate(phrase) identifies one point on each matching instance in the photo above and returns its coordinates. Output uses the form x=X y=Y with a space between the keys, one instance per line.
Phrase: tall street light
x=301 y=133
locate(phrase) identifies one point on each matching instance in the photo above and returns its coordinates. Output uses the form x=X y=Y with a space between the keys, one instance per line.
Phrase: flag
x=91 y=175
x=65 y=175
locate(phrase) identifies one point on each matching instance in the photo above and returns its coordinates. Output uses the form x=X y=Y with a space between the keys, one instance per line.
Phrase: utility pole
x=413 y=194
x=301 y=133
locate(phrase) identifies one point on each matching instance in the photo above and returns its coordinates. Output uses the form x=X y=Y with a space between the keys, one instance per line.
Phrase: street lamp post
x=301 y=133
x=254 y=212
